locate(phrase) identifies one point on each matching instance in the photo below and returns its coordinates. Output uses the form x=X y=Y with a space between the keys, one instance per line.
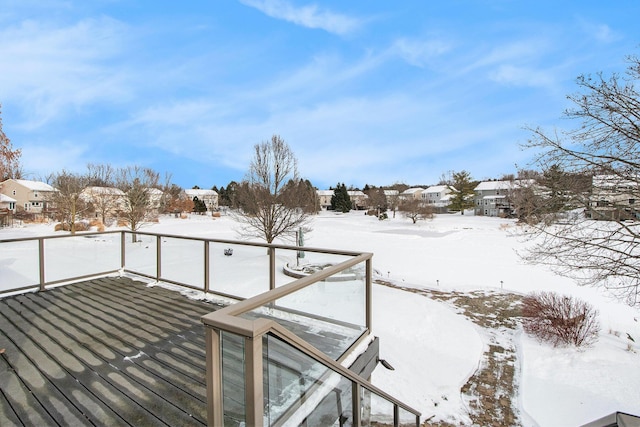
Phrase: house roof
x=6 y=199
x=325 y=192
x=34 y=185
x=391 y=192
x=103 y=190
x=413 y=190
x=198 y=192
x=493 y=185
x=437 y=189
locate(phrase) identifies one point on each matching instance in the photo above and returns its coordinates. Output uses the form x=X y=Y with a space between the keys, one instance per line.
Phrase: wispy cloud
x=52 y=69
x=419 y=52
x=310 y=16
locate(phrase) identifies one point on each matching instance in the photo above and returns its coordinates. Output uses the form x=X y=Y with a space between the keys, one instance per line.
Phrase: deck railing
x=335 y=300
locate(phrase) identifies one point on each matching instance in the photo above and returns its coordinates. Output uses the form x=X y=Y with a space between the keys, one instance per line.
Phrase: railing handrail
x=282 y=291
x=177 y=236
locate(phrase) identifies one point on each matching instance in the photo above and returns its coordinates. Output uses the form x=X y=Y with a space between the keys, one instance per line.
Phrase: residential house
x=358 y=199
x=209 y=197
x=30 y=196
x=412 y=193
x=437 y=196
x=614 y=198
x=491 y=198
x=7 y=203
x=106 y=201
x=324 y=197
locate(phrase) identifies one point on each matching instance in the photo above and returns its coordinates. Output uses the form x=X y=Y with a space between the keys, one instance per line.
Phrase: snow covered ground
x=433 y=348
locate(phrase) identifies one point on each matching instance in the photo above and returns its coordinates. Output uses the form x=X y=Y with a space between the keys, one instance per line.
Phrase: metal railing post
x=368 y=296
x=356 y=404
x=206 y=266
x=41 y=262
x=213 y=377
x=272 y=268
x=253 y=381
x=158 y=258
x=396 y=416
x=123 y=246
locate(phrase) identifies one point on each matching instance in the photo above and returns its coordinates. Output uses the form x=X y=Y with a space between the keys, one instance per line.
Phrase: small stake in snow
x=500 y=284
x=437 y=282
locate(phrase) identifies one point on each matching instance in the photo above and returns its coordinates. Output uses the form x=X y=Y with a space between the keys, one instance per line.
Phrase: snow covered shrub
x=560 y=319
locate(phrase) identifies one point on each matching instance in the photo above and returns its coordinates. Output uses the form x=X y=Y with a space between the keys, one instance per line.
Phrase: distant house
x=358 y=199
x=30 y=196
x=324 y=197
x=614 y=198
x=412 y=193
x=437 y=196
x=155 y=199
x=106 y=201
x=491 y=198
x=209 y=197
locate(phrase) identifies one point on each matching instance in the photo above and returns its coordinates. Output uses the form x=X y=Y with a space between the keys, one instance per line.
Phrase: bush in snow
x=560 y=319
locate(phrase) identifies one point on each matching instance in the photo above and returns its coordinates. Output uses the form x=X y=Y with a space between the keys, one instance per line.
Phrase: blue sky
x=372 y=91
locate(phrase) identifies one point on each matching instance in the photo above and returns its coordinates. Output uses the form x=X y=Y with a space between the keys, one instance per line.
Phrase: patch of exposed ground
x=491 y=390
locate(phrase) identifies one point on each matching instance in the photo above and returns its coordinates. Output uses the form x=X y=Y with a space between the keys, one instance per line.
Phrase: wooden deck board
x=105 y=352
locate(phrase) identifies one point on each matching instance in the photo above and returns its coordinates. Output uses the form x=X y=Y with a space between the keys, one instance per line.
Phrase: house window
x=632 y=201
x=35 y=194
x=14 y=192
x=12 y=206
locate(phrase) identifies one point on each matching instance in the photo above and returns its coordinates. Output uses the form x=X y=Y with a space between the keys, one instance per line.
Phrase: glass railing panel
x=182 y=261
x=301 y=390
x=375 y=410
x=406 y=418
x=81 y=255
x=141 y=253
x=329 y=314
x=233 y=383
x=19 y=263
x=292 y=264
x=238 y=270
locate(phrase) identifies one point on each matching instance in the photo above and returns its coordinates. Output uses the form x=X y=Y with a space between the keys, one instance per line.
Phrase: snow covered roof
x=325 y=192
x=493 y=185
x=103 y=190
x=357 y=193
x=437 y=189
x=34 y=185
x=199 y=192
x=391 y=192
x=6 y=199
x=413 y=190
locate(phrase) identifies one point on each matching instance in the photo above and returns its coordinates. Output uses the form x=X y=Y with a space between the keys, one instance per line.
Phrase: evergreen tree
x=462 y=191
x=199 y=206
x=340 y=200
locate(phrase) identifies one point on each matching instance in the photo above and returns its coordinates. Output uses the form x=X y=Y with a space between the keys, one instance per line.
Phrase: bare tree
x=376 y=199
x=270 y=202
x=139 y=186
x=605 y=148
x=105 y=199
x=415 y=210
x=67 y=198
x=9 y=157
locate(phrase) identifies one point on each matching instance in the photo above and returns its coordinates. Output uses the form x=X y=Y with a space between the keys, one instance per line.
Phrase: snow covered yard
x=434 y=346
